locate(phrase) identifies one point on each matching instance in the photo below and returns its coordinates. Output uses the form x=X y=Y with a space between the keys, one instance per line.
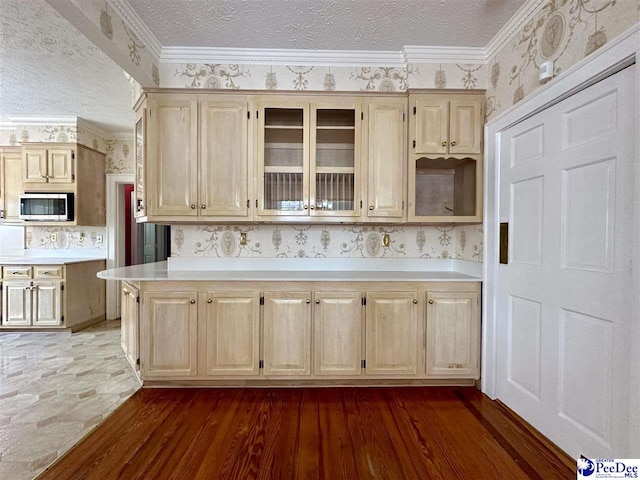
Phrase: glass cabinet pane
x=445 y=187
x=283 y=159
x=335 y=159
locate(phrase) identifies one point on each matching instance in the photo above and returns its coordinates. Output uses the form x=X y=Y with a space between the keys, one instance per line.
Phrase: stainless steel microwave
x=47 y=207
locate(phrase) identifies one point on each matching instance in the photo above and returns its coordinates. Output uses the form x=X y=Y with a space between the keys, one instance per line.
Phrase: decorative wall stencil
x=106 y=26
x=329 y=83
x=300 y=82
x=67 y=238
x=469 y=80
x=95 y=144
x=155 y=74
x=24 y=137
x=440 y=78
x=13 y=141
x=271 y=81
x=118 y=159
x=53 y=133
x=230 y=74
x=564 y=31
x=134 y=45
x=384 y=78
x=331 y=241
x=495 y=74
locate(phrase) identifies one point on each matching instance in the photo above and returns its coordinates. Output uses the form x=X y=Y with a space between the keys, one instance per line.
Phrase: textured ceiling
x=325 y=24
x=48 y=68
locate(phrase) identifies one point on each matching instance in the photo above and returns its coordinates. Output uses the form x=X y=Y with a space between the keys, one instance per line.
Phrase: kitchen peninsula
x=301 y=321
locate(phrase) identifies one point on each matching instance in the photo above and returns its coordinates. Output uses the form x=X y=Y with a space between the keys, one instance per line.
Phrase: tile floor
x=54 y=389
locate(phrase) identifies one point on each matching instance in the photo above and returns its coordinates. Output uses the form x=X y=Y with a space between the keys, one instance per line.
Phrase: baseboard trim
x=306 y=383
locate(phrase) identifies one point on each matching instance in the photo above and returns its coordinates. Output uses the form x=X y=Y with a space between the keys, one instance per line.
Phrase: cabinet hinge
x=402 y=204
x=73 y=176
x=73 y=155
x=364 y=300
x=414 y=144
x=256 y=203
x=62 y=319
x=62 y=288
x=261 y=300
x=261 y=364
x=403 y=117
x=248 y=203
x=361 y=115
x=414 y=110
x=138 y=361
x=257 y=114
x=360 y=203
x=137 y=299
x=363 y=364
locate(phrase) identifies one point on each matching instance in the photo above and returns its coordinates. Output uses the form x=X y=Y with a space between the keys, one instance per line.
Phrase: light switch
x=99 y=238
x=386 y=240
x=54 y=237
x=81 y=237
x=243 y=238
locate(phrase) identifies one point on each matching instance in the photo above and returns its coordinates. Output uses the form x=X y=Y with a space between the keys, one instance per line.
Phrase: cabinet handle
x=444 y=144
x=209 y=301
x=192 y=302
x=203 y=207
x=312 y=207
x=317 y=302
x=126 y=294
x=415 y=301
x=370 y=207
x=15 y=273
x=306 y=206
x=308 y=301
x=453 y=144
x=193 y=207
x=430 y=302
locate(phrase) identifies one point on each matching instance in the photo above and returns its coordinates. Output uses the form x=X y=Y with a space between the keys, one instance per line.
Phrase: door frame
x=621 y=52
x=115 y=236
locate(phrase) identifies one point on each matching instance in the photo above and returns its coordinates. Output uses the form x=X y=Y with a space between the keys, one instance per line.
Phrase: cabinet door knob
x=415 y=301
x=444 y=144
x=430 y=302
x=192 y=302
x=306 y=206
x=317 y=302
x=209 y=301
x=203 y=206
x=312 y=207
x=370 y=207
x=193 y=207
x=126 y=294
x=308 y=301
x=453 y=144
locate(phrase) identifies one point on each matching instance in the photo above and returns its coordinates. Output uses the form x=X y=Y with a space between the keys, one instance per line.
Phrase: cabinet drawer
x=17 y=272
x=41 y=272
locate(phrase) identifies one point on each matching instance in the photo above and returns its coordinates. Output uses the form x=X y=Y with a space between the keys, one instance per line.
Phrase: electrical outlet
x=386 y=240
x=54 y=237
x=243 y=238
x=81 y=238
x=99 y=238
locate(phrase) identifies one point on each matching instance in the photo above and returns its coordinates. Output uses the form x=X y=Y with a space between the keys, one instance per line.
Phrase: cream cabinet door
x=47 y=304
x=287 y=333
x=386 y=157
x=129 y=323
x=229 y=333
x=60 y=165
x=173 y=156
x=124 y=318
x=391 y=333
x=338 y=321
x=34 y=165
x=467 y=126
x=430 y=129
x=11 y=187
x=170 y=332
x=16 y=303
x=224 y=177
x=453 y=334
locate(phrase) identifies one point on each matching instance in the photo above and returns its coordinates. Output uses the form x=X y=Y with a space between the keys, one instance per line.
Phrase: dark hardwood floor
x=329 y=433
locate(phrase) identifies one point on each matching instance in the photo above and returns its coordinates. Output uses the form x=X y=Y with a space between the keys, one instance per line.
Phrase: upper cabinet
x=308 y=158
x=10 y=184
x=52 y=165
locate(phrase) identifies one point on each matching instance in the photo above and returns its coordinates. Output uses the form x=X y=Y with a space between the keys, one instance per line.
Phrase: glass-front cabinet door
x=283 y=158
x=334 y=169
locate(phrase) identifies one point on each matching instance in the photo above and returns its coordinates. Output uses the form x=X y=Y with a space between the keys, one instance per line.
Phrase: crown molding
x=120 y=135
x=135 y=23
x=269 y=56
x=66 y=121
x=418 y=54
x=87 y=126
x=525 y=13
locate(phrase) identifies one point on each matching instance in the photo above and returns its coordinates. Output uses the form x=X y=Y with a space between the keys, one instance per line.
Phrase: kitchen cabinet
x=16 y=303
x=338 y=320
x=10 y=184
x=391 y=333
x=170 y=332
x=47 y=303
x=229 y=331
x=447 y=123
x=129 y=322
x=140 y=134
x=52 y=165
x=287 y=333
x=453 y=333
x=386 y=158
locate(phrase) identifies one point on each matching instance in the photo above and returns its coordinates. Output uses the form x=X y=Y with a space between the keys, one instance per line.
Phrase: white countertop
x=26 y=260
x=159 y=272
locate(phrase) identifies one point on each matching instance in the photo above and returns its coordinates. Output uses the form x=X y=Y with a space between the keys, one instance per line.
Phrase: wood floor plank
x=334 y=433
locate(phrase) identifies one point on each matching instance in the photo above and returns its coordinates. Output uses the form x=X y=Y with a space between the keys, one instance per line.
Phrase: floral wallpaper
x=119 y=156
x=564 y=31
x=67 y=238
x=332 y=241
x=18 y=134
x=343 y=78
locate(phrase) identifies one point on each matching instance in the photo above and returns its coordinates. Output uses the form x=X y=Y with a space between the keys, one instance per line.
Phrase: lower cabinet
x=16 y=303
x=453 y=334
x=287 y=333
x=28 y=303
x=129 y=323
x=338 y=320
x=392 y=333
x=229 y=333
x=170 y=334
x=47 y=303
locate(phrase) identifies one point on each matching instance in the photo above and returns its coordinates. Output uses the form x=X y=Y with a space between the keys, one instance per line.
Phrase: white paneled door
x=564 y=298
